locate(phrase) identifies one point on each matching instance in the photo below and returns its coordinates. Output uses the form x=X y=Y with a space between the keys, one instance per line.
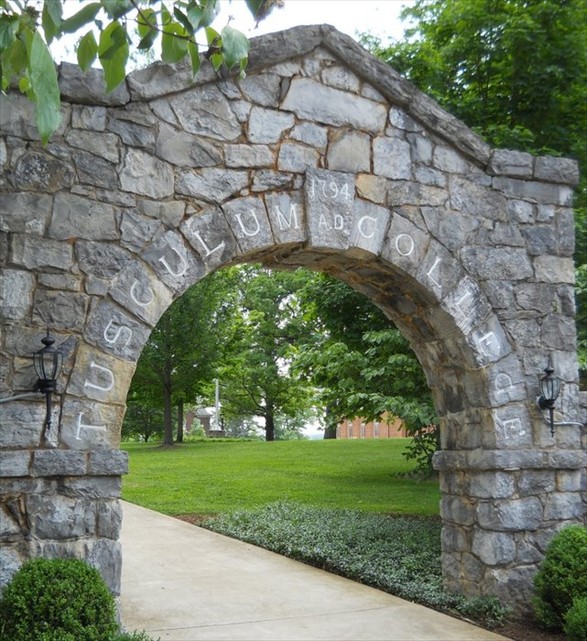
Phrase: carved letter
x=209 y=251
x=429 y=272
x=249 y=233
x=108 y=373
x=80 y=425
x=182 y=262
x=119 y=331
x=362 y=231
x=338 y=221
x=487 y=342
x=512 y=426
x=284 y=223
x=408 y=240
x=322 y=222
x=503 y=382
x=136 y=300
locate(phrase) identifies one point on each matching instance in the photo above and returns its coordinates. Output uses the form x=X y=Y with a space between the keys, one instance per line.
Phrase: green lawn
x=213 y=477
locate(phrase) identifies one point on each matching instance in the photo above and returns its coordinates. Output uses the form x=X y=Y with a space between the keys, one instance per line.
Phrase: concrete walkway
x=184 y=583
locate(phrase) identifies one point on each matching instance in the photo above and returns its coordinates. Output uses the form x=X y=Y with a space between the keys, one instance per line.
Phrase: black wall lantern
x=48 y=362
x=550 y=387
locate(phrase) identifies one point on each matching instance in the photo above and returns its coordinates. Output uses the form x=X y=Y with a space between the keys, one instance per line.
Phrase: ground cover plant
x=213 y=477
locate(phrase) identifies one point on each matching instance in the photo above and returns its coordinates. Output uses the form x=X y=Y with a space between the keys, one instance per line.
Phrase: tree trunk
x=179 y=438
x=330 y=429
x=269 y=426
x=167 y=422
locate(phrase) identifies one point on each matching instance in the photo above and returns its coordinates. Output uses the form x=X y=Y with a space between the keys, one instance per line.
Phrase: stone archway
x=325 y=158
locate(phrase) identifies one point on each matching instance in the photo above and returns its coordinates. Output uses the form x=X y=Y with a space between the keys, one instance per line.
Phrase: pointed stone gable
x=322 y=157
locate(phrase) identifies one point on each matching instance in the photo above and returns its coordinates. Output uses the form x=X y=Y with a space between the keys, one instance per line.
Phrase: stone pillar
x=61 y=504
x=500 y=510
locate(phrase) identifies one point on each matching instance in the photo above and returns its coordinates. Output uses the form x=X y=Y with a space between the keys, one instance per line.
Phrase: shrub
x=57 y=600
x=576 y=620
x=562 y=576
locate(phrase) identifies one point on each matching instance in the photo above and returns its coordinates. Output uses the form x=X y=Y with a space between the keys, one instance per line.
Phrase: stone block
x=248 y=156
x=106 y=556
x=209 y=234
x=392 y=158
x=486 y=485
x=138 y=291
x=329 y=201
x=312 y=101
x=340 y=78
x=186 y=150
x=91 y=487
x=109 y=519
x=25 y=213
x=115 y=332
x=10 y=561
x=510 y=515
x=212 y=185
x=369 y=227
x=247 y=218
x=268 y=180
x=204 y=111
x=557 y=170
x=16 y=294
x=457 y=509
x=350 y=152
x=21 y=424
x=33 y=252
x=59 y=463
x=99 y=144
x=373 y=188
x=146 y=175
x=60 y=517
x=494 y=548
x=511 y=163
x=174 y=262
x=88 y=117
x=311 y=134
x=296 y=158
x=267 y=126
x=76 y=217
x=87 y=425
x=15 y=463
x=108 y=463
x=88 y=88
x=447 y=159
x=263 y=89
x=287 y=217
x=564 y=506
x=60 y=310
x=169 y=213
x=100 y=376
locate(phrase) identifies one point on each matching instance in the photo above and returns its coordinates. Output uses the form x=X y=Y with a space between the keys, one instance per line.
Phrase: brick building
x=358 y=428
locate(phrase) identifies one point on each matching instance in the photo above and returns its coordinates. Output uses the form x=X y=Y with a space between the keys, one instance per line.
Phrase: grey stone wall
x=323 y=158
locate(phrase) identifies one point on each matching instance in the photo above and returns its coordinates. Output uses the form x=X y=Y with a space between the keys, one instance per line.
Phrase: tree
x=256 y=371
x=364 y=367
x=515 y=71
x=180 y=356
x=27 y=30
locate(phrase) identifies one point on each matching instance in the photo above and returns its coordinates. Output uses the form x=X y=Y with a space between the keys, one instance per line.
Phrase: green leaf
x=81 y=18
x=235 y=46
x=216 y=59
x=194 y=57
x=254 y=6
x=51 y=18
x=183 y=20
x=113 y=54
x=173 y=43
x=44 y=83
x=8 y=28
x=147 y=28
x=210 y=11
x=117 y=8
x=87 y=50
x=212 y=36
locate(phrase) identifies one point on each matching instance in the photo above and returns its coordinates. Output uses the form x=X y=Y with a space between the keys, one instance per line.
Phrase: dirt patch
x=522 y=630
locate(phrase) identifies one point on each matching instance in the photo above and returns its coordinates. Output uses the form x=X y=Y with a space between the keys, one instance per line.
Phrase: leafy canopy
x=108 y=30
